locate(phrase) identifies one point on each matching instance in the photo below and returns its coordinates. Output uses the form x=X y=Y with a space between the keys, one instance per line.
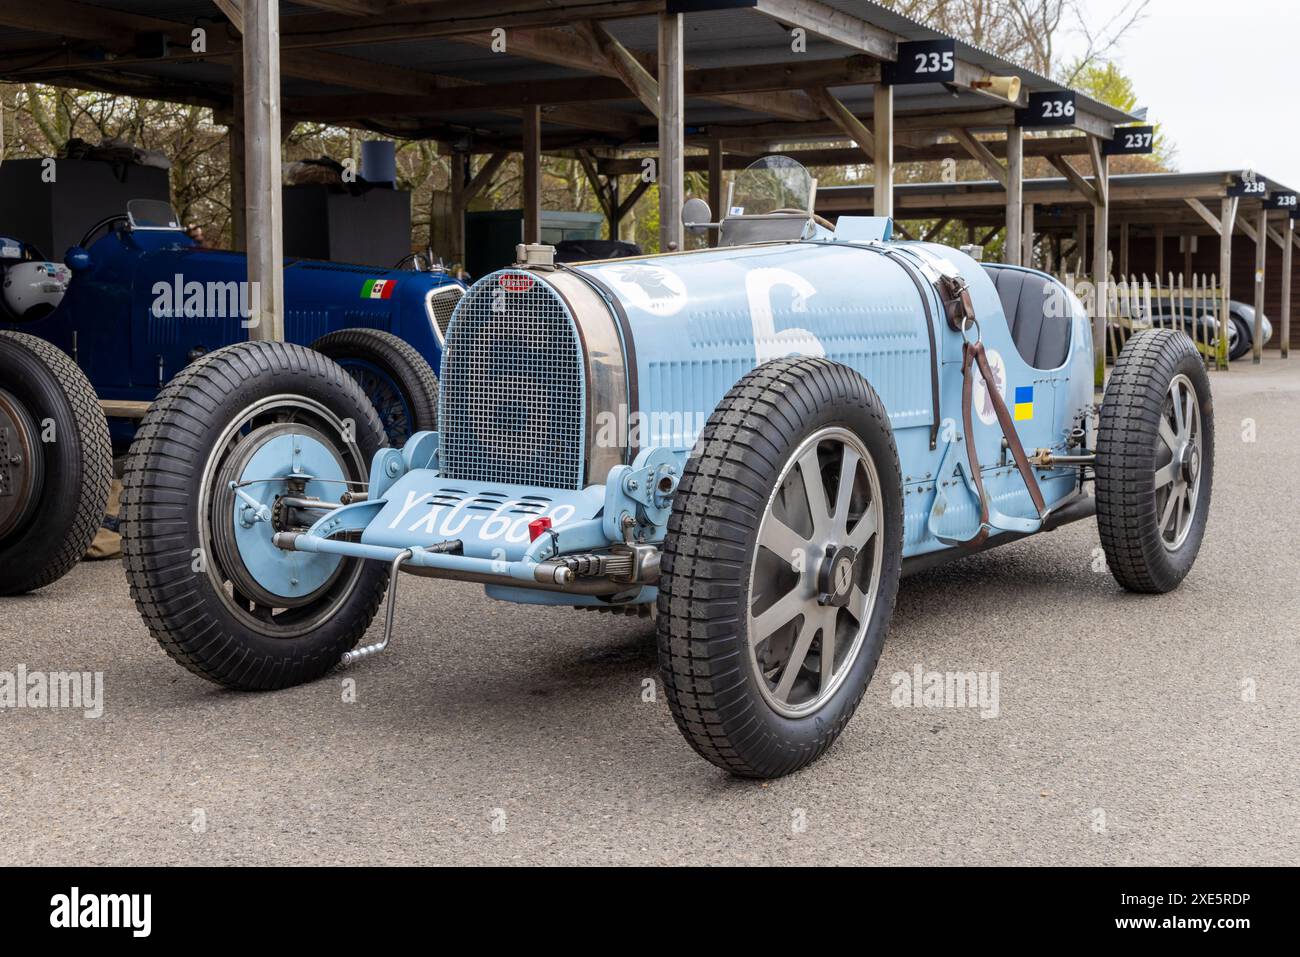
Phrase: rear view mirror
x=697 y=217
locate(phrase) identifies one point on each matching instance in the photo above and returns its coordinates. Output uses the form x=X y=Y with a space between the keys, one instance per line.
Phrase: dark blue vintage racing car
x=137 y=300
x=134 y=303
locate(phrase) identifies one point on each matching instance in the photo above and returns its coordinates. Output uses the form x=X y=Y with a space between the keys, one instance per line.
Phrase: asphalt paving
x=1125 y=729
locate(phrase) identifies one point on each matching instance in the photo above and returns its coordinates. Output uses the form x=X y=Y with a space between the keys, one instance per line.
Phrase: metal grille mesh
x=513 y=388
x=442 y=303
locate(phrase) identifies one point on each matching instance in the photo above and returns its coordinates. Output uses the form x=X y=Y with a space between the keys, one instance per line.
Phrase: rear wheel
x=396 y=379
x=781 y=566
x=282 y=424
x=56 y=463
x=1155 y=461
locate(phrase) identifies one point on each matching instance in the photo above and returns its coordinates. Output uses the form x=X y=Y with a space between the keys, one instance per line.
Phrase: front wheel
x=1155 y=461
x=288 y=429
x=781 y=566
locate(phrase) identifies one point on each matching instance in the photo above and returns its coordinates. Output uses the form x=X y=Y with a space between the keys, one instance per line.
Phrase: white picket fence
x=1191 y=304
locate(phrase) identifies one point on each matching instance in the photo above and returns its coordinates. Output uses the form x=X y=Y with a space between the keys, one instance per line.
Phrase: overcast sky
x=1220 y=76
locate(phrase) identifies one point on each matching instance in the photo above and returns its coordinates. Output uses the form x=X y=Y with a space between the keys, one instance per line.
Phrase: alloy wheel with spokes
x=1155 y=459
x=816 y=571
x=1178 y=477
x=780 y=567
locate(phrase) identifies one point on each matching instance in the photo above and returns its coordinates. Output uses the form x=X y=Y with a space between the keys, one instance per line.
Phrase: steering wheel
x=104 y=223
x=819 y=220
x=413 y=262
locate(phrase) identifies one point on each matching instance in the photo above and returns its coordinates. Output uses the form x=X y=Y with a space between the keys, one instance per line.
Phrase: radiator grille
x=442 y=303
x=513 y=387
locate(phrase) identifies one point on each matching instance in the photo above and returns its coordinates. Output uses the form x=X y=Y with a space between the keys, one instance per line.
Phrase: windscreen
x=152 y=214
x=769 y=185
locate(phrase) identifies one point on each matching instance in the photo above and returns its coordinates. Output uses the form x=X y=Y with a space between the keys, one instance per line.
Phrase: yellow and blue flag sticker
x=1024 y=402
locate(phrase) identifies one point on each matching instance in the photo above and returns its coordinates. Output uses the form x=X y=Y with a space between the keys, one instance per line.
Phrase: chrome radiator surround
x=532 y=359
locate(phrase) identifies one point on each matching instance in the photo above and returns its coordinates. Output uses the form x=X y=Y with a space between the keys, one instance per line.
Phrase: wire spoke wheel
x=816 y=572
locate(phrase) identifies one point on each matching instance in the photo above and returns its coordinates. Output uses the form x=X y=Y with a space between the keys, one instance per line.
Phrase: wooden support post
x=1011 y=251
x=716 y=197
x=1288 y=234
x=1100 y=266
x=1081 y=244
x=1228 y=218
x=235 y=134
x=1160 y=250
x=1261 y=258
x=459 y=201
x=261 y=50
x=532 y=187
x=1027 y=250
x=1123 y=250
x=672 y=134
x=883 y=161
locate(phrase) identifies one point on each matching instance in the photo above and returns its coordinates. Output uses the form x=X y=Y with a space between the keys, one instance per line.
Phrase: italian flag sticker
x=378 y=288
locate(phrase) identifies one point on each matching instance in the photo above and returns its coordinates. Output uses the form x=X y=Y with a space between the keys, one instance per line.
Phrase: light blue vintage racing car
x=755 y=440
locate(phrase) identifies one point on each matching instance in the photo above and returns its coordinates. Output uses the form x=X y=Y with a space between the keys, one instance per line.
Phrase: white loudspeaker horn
x=1007 y=87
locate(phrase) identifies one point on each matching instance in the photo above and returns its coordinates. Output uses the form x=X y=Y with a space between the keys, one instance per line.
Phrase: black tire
x=398 y=360
x=711 y=558
x=1145 y=555
x=173 y=477
x=1245 y=338
x=69 y=482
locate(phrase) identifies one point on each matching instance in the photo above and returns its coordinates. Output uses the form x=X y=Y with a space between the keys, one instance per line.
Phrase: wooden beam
x=979 y=151
x=1027 y=238
x=1071 y=174
x=1228 y=216
x=1015 y=184
x=634 y=75
x=356 y=7
x=740 y=158
x=639 y=190
x=1100 y=166
x=553 y=45
x=832 y=24
x=237 y=147
x=1100 y=265
x=1261 y=260
x=484 y=175
x=882 y=162
x=1123 y=249
x=716 y=197
x=1200 y=208
x=532 y=185
x=759 y=78
x=840 y=115
x=450 y=18
x=672 y=133
x=935 y=230
x=607 y=206
x=1288 y=247
x=1160 y=250
x=264 y=179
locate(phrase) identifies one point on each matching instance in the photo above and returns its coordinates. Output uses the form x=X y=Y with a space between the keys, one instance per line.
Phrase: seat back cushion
x=1042 y=340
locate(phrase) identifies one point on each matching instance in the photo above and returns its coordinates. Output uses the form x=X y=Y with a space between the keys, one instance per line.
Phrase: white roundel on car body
x=980 y=394
x=652 y=288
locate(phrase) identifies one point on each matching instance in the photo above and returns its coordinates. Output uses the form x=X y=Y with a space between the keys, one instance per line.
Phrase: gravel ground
x=1128 y=730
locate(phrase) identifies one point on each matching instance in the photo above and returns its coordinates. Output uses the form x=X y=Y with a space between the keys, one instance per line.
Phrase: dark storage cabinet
x=55 y=215
x=370 y=229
